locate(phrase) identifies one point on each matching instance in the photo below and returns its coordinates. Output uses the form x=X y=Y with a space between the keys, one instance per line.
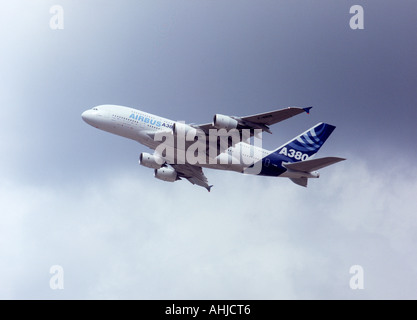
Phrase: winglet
x=307 y=110
x=209 y=188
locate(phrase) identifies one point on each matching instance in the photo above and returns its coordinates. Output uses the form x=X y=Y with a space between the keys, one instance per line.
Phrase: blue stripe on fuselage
x=272 y=165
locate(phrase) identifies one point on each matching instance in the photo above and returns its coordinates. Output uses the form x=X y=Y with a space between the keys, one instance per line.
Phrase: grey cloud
x=125 y=238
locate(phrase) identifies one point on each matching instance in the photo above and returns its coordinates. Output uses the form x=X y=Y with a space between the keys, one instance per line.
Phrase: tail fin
x=306 y=144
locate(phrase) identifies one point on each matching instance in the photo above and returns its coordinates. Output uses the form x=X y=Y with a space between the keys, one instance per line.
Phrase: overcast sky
x=74 y=196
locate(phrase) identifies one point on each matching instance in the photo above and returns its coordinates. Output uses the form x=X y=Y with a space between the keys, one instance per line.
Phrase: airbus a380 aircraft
x=291 y=160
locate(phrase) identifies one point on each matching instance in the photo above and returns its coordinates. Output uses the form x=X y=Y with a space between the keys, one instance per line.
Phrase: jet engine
x=150 y=161
x=224 y=122
x=166 y=174
x=185 y=129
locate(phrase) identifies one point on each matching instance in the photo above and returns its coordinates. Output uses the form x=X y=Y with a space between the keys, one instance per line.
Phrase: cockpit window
x=95 y=109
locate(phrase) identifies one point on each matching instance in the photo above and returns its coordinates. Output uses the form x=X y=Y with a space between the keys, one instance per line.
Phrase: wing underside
x=313 y=164
x=192 y=173
x=270 y=118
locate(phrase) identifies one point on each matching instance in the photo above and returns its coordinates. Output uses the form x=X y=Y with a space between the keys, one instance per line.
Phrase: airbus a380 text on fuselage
x=182 y=150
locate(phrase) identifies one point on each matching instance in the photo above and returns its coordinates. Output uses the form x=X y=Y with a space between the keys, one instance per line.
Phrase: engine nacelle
x=150 y=161
x=224 y=122
x=184 y=129
x=166 y=174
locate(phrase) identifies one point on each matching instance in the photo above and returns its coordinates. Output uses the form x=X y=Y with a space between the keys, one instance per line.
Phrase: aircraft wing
x=313 y=164
x=270 y=118
x=261 y=120
x=192 y=173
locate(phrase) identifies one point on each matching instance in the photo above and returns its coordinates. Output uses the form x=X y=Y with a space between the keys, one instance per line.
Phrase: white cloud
x=130 y=236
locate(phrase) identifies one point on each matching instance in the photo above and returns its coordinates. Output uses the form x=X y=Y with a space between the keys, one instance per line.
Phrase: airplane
x=291 y=160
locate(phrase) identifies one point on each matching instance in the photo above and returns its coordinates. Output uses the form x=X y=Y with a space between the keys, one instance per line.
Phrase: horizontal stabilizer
x=300 y=181
x=312 y=165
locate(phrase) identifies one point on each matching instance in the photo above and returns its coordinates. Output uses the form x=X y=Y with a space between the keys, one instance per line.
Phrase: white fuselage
x=142 y=127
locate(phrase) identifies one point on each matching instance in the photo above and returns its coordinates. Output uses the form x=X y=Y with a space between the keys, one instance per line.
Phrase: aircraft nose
x=87 y=116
